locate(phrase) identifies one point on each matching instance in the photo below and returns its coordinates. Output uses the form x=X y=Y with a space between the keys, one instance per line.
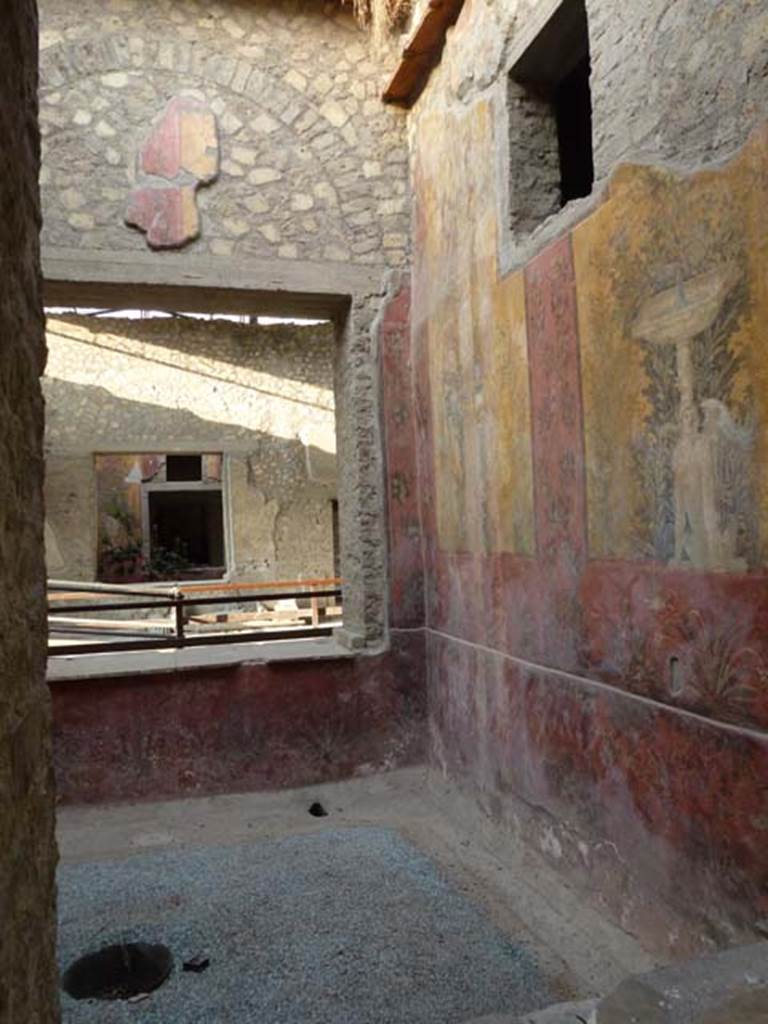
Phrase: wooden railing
x=72 y=605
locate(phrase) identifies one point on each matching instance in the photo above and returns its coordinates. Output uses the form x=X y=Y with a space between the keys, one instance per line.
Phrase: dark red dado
x=586 y=772
x=239 y=728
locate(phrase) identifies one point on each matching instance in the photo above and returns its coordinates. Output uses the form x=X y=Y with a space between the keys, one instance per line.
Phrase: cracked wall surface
x=28 y=974
x=594 y=422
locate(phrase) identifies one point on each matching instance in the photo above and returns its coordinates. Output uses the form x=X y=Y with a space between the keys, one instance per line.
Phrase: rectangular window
x=160 y=517
x=183 y=467
x=186 y=531
x=550 y=120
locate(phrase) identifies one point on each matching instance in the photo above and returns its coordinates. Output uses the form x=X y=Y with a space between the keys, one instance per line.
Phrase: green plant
x=167 y=563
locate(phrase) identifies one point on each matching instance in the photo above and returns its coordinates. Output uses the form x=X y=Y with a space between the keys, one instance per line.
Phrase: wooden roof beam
x=422 y=53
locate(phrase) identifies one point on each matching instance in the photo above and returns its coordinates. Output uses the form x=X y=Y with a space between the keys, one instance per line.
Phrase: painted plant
x=693 y=458
x=672 y=303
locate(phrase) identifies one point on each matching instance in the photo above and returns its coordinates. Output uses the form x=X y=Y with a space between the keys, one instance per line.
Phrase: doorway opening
x=186 y=528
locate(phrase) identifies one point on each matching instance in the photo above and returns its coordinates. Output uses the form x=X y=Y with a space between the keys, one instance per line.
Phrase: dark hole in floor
x=118 y=972
x=317 y=810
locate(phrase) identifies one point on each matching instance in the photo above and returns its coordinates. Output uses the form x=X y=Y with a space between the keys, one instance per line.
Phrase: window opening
x=550 y=120
x=183 y=467
x=258 y=515
x=187 y=532
x=573 y=110
x=160 y=517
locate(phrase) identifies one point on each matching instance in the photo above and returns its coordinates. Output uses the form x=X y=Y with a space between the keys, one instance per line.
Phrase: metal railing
x=69 y=621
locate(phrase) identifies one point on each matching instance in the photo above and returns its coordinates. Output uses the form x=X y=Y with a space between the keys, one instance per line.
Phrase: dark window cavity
x=550 y=120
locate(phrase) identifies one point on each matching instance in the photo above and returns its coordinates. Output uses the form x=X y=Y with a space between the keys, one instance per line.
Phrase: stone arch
x=309 y=136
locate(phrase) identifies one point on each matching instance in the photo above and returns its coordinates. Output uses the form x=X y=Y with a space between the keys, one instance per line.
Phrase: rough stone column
x=28 y=980
x=361 y=474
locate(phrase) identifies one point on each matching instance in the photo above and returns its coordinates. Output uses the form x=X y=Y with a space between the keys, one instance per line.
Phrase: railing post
x=178 y=598
x=175 y=602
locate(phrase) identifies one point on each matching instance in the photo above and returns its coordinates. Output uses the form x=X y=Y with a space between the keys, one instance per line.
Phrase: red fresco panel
x=238 y=728
x=558 y=452
x=558 y=437
x=406 y=564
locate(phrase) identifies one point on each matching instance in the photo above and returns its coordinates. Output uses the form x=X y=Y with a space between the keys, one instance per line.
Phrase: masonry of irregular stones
x=534 y=180
x=28 y=975
x=313 y=166
x=312 y=190
x=261 y=395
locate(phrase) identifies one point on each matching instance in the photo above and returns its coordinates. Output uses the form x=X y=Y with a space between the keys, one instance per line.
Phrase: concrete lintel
x=582 y=1012
x=157 y=660
x=176 y=281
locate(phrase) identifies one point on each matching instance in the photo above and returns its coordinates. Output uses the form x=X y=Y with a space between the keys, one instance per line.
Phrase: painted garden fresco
x=671 y=281
x=598 y=422
x=595 y=507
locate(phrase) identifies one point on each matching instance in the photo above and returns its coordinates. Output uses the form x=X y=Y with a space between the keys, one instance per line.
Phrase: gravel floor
x=345 y=926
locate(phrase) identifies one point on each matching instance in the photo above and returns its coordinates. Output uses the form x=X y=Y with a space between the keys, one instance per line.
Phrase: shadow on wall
x=86 y=417
x=287 y=352
x=281 y=517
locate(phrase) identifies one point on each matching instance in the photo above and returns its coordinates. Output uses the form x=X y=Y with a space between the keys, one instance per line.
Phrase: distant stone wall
x=534 y=178
x=28 y=975
x=262 y=395
x=312 y=164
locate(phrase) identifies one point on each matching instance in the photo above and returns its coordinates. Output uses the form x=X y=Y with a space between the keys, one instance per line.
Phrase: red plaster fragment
x=168 y=215
x=183 y=151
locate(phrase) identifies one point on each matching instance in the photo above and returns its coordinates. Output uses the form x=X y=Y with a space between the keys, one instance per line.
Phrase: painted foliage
x=671 y=277
x=627 y=429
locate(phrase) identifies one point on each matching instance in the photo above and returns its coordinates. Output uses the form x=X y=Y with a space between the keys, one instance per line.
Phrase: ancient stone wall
x=261 y=395
x=311 y=165
x=301 y=186
x=594 y=418
x=675 y=80
x=28 y=975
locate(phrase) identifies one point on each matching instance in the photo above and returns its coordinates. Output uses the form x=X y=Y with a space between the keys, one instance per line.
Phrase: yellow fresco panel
x=477 y=345
x=507 y=381
x=671 y=279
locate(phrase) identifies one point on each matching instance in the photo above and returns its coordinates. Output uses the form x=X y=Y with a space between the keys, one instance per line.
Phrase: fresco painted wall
x=595 y=481
x=253 y=726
